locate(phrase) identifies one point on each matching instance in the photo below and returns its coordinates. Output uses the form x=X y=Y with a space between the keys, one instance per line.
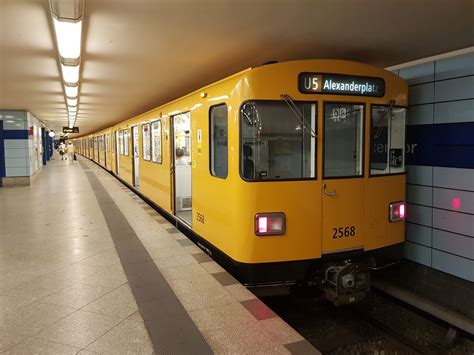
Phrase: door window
x=146 y=140
x=387 y=145
x=343 y=140
x=218 y=135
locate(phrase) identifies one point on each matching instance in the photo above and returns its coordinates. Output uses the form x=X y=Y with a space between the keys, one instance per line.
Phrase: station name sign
x=339 y=84
x=71 y=130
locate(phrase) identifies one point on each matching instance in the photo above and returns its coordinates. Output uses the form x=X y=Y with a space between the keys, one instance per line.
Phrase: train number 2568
x=341 y=232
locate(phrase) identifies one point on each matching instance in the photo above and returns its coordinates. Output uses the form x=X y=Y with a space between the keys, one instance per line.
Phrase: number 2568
x=341 y=232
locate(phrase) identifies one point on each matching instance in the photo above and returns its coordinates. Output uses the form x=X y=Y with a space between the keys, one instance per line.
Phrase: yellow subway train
x=287 y=173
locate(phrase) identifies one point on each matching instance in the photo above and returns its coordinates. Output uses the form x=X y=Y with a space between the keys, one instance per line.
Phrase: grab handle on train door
x=328 y=193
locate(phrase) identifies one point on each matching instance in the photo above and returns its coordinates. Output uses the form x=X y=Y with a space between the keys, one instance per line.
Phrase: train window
x=146 y=137
x=387 y=146
x=343 y=140
x=156 y=141
x=218 y=118
x=121 y=142
x=126 y=134
x=278 y=140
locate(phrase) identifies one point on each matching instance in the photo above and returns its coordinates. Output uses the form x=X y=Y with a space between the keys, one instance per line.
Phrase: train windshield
x=275 y=144
x=387 y=150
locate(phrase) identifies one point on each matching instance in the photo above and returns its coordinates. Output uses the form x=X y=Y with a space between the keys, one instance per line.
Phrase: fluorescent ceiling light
x=70 y=73
x=71 y=102
x=72 y=108
x=71 y=91
x=68 y=35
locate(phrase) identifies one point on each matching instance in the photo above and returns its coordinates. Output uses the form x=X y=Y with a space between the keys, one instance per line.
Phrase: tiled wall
x=35 y=144
x=440 y=190
x=22 y=144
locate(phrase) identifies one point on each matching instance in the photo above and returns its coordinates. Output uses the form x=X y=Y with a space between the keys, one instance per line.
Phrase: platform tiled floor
x=67 y=285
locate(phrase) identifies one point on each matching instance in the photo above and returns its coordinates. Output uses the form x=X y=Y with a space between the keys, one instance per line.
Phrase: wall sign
x=71 y=130
x=338 y=84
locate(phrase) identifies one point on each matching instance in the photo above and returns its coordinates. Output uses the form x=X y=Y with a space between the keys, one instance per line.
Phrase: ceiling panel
x=139 y=54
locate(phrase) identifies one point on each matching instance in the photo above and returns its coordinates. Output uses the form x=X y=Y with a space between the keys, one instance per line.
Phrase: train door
x=136 y=157
x=117 y=152
x=343 y=177
x=181 y=128
x=107 y=147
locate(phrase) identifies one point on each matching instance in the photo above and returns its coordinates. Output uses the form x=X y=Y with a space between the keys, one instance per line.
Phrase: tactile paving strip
x=169 y=326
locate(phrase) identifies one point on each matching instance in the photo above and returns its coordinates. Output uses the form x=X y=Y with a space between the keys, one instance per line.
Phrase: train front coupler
x=345 y=282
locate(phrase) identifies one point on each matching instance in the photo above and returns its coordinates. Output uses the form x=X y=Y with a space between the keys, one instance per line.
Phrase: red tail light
x=397 y=211
x=270 y=224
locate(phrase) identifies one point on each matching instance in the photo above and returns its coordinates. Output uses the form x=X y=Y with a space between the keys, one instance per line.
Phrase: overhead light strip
x=67 y=17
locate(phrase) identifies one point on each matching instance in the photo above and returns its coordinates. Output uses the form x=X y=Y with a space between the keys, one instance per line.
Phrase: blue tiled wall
x=440 y=190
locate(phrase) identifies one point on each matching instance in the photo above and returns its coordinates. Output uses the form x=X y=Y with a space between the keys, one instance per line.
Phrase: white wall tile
x=455 y=66
x=15 y=124
x=419 y=174
x=418 y=234
x=16 y=162
x=16 y=143
x=419 y=214
x=25 y=171
x=417 y=253
x=455 y=222
x=16 y=153
x=421 y=195
x=421 y=94
x=455 y=111
x=422 y=114
x=456 y=200
x=417 y=74
x=454 y=89
x=13 y=115
x=454 y=265
x=453 y=178
x=453 y=243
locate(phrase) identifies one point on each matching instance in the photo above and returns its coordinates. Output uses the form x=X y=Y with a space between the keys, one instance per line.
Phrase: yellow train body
x=224 y=209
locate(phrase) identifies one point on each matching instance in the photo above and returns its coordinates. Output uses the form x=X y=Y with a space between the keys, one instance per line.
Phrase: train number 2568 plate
x=341 y=232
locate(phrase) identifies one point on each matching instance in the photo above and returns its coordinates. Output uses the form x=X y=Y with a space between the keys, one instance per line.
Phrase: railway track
x=377 y=325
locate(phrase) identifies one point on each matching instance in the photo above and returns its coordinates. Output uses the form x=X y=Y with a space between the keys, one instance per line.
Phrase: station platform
x=87 y=267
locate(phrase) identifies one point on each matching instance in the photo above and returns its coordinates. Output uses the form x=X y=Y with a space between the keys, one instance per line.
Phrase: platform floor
x=87 y=267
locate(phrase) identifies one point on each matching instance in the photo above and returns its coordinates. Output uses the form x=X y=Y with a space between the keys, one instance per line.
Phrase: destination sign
x=339 y=84
x=71 y=130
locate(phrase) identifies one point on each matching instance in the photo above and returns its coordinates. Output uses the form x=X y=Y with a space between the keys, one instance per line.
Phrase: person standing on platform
x=70 y=151
x=62 y=150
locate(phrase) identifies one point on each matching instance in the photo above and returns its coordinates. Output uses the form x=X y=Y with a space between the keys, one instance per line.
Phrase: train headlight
x=270 y=223
x=397 y=211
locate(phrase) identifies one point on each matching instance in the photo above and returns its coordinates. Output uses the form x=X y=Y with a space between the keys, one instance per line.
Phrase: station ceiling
x=139 y=54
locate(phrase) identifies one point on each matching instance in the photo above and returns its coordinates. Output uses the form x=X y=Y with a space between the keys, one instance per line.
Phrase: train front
x=322 y=172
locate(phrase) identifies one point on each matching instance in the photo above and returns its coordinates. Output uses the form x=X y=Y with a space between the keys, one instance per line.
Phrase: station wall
x=440 y=179
x=21 y=146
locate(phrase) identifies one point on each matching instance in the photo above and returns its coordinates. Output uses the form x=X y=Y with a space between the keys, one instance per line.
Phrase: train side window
x=146 y=137
x=387 y=145
x=278 y=142
x=121 y=142
x=218 y=137
x=156 y=151
x=125 y=142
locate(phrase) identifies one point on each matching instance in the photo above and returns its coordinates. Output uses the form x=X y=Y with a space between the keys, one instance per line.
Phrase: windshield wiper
x=389 y=114
x=291 y=104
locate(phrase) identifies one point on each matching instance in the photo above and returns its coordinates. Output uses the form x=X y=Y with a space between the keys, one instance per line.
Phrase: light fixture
x=71 y=101
x=70 y=73
x=71 y=91
x=67 y=18
x=68 y=35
